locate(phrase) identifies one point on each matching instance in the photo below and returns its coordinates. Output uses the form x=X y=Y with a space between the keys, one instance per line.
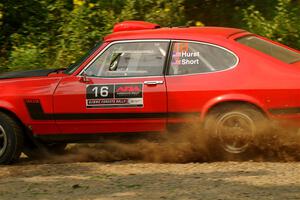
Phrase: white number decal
x=95 y=89
x=104 y=91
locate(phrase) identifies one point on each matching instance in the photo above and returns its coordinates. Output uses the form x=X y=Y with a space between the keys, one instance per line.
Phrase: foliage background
x=55 y=33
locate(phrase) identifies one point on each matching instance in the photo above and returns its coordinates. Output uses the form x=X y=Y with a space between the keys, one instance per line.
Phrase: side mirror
x=84 y=78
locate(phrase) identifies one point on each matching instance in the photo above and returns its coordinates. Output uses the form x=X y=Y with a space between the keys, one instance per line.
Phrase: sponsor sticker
x=114 y=95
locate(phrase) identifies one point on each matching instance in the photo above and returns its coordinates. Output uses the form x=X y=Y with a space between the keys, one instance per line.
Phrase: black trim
x=36 y=112
x=168 y=59
x=183 y=114
x=96 y=116
x=27 y=74
x=285 y=111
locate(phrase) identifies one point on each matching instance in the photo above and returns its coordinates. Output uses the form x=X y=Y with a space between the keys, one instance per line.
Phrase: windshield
x=274 y=50
x=73 y=67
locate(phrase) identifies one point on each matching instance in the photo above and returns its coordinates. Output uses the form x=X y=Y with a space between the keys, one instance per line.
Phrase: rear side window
x=193 y=57
x=274 y=50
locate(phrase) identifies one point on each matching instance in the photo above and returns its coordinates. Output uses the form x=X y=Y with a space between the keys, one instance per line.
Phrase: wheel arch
x=28 y=139
x=233 y=99
x=13 y=115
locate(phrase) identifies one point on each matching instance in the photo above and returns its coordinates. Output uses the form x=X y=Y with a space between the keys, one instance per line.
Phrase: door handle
x=153 y=82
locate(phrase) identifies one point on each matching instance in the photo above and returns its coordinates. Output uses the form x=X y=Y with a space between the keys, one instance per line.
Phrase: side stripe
x=36 y=112
x=285 y=111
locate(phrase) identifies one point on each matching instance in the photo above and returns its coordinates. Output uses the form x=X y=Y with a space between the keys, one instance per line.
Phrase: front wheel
x=11 y=139
x=233 y=129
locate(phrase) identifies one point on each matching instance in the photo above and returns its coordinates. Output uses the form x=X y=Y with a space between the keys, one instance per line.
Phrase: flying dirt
x=186 y=145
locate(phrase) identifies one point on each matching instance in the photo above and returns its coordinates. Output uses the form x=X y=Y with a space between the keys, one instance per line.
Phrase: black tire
x=11 y=139
x=232 y=131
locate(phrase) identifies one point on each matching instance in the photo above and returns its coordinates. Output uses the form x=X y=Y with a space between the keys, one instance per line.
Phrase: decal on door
x=114 y=95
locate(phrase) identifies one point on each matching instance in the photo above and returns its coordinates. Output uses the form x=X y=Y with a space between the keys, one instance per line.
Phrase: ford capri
x=145 y=79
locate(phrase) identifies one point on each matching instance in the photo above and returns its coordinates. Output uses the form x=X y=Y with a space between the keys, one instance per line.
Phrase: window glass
x=73 y=67
x=191 y=58
x=130 y=59
x=274 y=50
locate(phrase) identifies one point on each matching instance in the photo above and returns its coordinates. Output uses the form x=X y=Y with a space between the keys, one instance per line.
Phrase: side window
x=130 y=60
x=192 y=57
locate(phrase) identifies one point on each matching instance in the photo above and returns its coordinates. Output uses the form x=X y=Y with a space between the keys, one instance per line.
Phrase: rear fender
x=241 y=98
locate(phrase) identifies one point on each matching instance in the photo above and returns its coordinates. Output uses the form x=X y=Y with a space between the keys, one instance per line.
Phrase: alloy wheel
x=235 y=131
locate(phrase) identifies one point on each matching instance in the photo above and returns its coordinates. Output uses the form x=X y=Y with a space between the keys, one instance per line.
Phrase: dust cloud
x=184 y=145
x=187 y=144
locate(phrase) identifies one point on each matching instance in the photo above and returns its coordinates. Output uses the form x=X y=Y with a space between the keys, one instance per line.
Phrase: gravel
x=139 y=180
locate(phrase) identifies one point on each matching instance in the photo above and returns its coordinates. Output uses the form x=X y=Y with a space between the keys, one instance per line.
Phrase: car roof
x=190 y=33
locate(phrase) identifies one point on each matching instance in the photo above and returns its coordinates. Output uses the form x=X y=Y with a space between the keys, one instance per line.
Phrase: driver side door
x=124 y=91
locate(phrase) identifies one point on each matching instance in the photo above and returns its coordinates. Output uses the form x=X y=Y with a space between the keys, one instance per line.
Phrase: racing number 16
x=103 y=91
x=100 y=91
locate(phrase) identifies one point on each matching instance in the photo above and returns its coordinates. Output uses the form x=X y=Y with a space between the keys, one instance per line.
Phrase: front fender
x=10 y=108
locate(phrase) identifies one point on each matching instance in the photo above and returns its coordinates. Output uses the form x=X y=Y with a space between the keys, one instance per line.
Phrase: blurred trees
x=283 y=25
x=54 y=33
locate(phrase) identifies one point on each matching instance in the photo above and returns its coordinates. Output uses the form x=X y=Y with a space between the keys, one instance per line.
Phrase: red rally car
x=144 y=79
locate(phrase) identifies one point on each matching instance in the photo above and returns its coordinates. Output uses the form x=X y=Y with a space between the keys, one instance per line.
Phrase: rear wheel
x=11 y=139
x=233 y=129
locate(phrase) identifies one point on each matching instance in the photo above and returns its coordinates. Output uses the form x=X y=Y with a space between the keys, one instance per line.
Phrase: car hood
x=26 y=74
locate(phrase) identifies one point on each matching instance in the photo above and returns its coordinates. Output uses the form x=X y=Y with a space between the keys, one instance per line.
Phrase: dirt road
x=136 y=180
x=151 y=170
